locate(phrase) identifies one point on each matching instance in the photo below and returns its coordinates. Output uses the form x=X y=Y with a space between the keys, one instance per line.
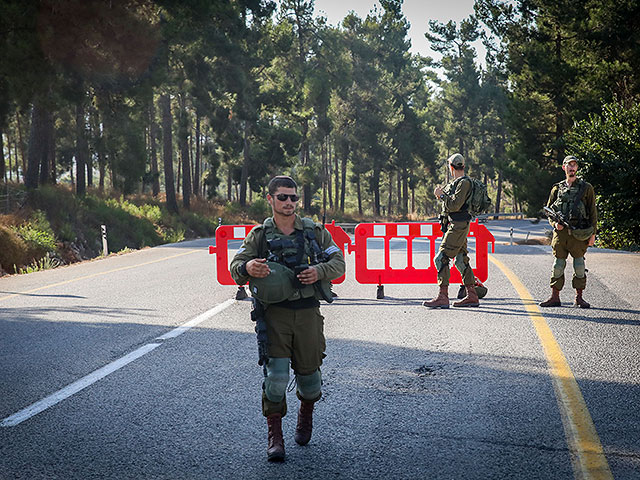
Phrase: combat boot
x=580 y=302
x=471 y=300
x=553 y=300
x=275 y=447
x=441 y=301
x=305 y=423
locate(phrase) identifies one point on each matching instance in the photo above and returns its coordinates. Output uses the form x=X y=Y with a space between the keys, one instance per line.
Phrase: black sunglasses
x=283 y=196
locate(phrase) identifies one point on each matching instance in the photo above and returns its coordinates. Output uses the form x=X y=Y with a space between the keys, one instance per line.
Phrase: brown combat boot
x=275 y=448
x=471 y=300
x=553 y=300
x=305 y=423
x=441 y=301
x=580 y=302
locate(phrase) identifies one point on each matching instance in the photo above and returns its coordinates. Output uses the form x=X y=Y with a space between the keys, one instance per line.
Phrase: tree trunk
x=325 y=177
x=153 y=136
x=246 y=159
x=499 y=192
x=167 y=152
x=81 y=149
x=405 y=192
x=37 y=145
x=343 y=183
x=329 y=176
x=183 y=141
x=390 y=201
x=196 y=170
x=3 y=171
x=359 y=194
x=23 y=154
x=336 y=170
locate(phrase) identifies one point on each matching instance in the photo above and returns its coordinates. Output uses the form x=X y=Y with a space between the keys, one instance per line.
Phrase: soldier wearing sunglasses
x=284 y=260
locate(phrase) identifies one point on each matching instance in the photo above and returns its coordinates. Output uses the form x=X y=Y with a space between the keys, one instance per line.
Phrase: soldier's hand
x=258 y=268
x=559 y=226
x=592 y=240
x=438 y=191
x=308 y=276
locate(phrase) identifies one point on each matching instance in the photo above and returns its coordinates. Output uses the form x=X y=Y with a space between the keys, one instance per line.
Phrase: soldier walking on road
x=287 y=305
x=574 y=201
x=455 y=219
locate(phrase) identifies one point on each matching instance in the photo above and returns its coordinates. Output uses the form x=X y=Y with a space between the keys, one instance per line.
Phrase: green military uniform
x=577 y=204
x=455 y=221
x=294 y=325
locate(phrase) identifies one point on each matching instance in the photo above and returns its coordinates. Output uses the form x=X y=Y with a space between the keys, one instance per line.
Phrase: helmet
x=275 y=287
x=582 y=234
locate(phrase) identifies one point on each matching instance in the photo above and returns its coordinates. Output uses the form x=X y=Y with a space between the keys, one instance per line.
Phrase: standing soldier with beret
x=574 y=202
x=454 y=220
x=288 y=262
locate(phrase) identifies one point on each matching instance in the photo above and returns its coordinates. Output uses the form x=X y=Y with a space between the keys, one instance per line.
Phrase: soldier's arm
x=248 y=251
x=455 y=202
x=590 y=204
x=552 y=198
x=335 y=267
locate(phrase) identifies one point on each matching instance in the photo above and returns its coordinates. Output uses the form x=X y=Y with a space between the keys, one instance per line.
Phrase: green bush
x=609 y=146
x=37 y=233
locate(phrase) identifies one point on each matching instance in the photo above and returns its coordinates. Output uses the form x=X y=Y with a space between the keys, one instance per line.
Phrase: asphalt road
x=500 y=391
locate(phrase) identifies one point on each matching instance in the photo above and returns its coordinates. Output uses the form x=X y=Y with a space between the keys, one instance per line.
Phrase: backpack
x=479 y=201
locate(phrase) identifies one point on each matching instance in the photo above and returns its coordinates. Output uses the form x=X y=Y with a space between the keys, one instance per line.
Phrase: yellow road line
x=589 y=461
x=97 y=274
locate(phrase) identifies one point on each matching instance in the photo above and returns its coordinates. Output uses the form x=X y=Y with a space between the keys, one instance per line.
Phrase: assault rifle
x=556 y=217
x=257 y=315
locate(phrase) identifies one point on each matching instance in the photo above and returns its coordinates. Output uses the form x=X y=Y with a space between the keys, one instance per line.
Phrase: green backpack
x=479 y=201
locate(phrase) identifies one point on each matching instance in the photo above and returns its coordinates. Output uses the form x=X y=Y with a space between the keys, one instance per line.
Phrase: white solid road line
x=199 y=319
x=99 y=374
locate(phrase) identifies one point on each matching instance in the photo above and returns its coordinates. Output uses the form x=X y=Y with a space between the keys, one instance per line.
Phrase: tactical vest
x=449 y=190
x=299 y=252
x=569 y=202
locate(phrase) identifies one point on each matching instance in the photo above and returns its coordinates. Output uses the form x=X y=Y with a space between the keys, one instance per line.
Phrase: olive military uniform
x=577 y=204
x=294 y=325
x=455 y=220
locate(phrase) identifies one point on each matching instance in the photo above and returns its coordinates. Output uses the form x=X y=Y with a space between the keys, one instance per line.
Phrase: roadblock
x=408 y=250
x=236 y=233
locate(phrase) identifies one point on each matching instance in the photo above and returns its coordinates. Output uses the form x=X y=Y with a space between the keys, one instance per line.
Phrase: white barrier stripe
x=75 y=387
x=199 y=319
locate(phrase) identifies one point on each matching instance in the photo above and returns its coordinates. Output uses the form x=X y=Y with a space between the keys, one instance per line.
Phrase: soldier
x=575 y=202
x=454 y=220
x=294 y=326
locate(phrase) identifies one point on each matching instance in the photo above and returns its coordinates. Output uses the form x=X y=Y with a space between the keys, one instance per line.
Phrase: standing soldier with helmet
x=572 y=213
x=454 y=220
x=288 y=262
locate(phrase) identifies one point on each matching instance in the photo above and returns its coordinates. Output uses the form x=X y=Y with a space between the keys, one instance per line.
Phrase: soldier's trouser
x=564 y=245
x=294 y=336
x=454 y=246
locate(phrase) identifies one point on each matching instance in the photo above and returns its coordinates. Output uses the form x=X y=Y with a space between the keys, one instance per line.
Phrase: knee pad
x=459 y=263
x=579 y=267
x=558 y=267
x=441 y=260
x=277 y=379
x=309 y=386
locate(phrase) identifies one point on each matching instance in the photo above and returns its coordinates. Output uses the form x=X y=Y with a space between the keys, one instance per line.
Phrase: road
x=141 y=366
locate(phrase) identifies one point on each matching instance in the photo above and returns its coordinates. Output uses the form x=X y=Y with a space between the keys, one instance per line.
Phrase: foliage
x=609 y=146
x=37 y=233
x=45 y=263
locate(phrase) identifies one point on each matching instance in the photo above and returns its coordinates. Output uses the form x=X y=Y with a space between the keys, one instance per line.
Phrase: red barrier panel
x=227 y=233
x=423 y=273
